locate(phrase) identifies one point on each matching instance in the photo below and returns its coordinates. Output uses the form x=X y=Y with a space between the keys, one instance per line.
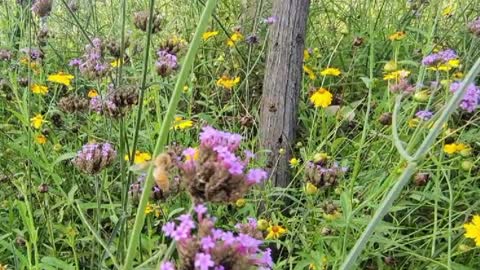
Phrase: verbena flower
x=202 y=246
x=438 y=58
x=213 y=172
x=94 y=157
x=92 y=64
x=470 y=100
x=424 y=115
x=117 y=102
x=166 y=63
x=474 y=27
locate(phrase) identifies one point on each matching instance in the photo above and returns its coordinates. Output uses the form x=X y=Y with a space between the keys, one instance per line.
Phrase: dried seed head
x=57 y=120
x=358 y=41
x=73 y=104
x=23 y=82
x=42 y=8
x=140 y=20
x=43 y=188
x=5 y=55
x=93 y=157
x=385 y=119
x=421 y=179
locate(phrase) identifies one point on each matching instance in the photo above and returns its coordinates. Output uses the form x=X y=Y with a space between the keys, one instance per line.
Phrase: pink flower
x=203 y=261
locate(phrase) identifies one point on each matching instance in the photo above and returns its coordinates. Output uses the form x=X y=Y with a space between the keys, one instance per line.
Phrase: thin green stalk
x=163 y=133
x=144 y=82
x=393 y=194
x=95 y=234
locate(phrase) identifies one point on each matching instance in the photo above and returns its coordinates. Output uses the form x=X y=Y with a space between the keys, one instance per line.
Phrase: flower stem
x=393 y=194
x=162 y=138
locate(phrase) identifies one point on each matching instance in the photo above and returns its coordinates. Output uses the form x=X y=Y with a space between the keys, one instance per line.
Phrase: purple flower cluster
x=166 y=63
x=474 y=27
x=439 y=58
x=94 y=157
x=225 y=144
x=424 y=115
x=471 y=99
x=92 y=64
x=206 y=247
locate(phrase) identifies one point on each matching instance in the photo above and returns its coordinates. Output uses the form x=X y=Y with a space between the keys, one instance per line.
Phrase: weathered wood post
x=282 y=82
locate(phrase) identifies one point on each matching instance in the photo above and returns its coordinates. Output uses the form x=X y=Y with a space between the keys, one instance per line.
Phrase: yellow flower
x=395 y=75
x=262 y=224
x=116 y=63
x=331 y=72
x=397 y=36
x=234 y=38
x=61 y=78
x=140 y=157
x=336 y=214
x=309 y=72
x=448 y=11
x=453 y=148
x=152 y=208
x=37 y=121
x=275 y=232
x=310 y=189
x=39 y=89
x=208 y=35
x=454 y=63
x=306 y=55
x=181 y=124
x=240 y=203
x=294 y=162
x=41 y=139
x=472 y=230
x=92 y=93
x=321 y=98
x=227 y=82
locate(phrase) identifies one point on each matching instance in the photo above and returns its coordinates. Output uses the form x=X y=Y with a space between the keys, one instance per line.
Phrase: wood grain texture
x=282 y=82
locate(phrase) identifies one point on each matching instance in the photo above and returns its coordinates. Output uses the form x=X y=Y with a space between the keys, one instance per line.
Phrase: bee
x=162 y=164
